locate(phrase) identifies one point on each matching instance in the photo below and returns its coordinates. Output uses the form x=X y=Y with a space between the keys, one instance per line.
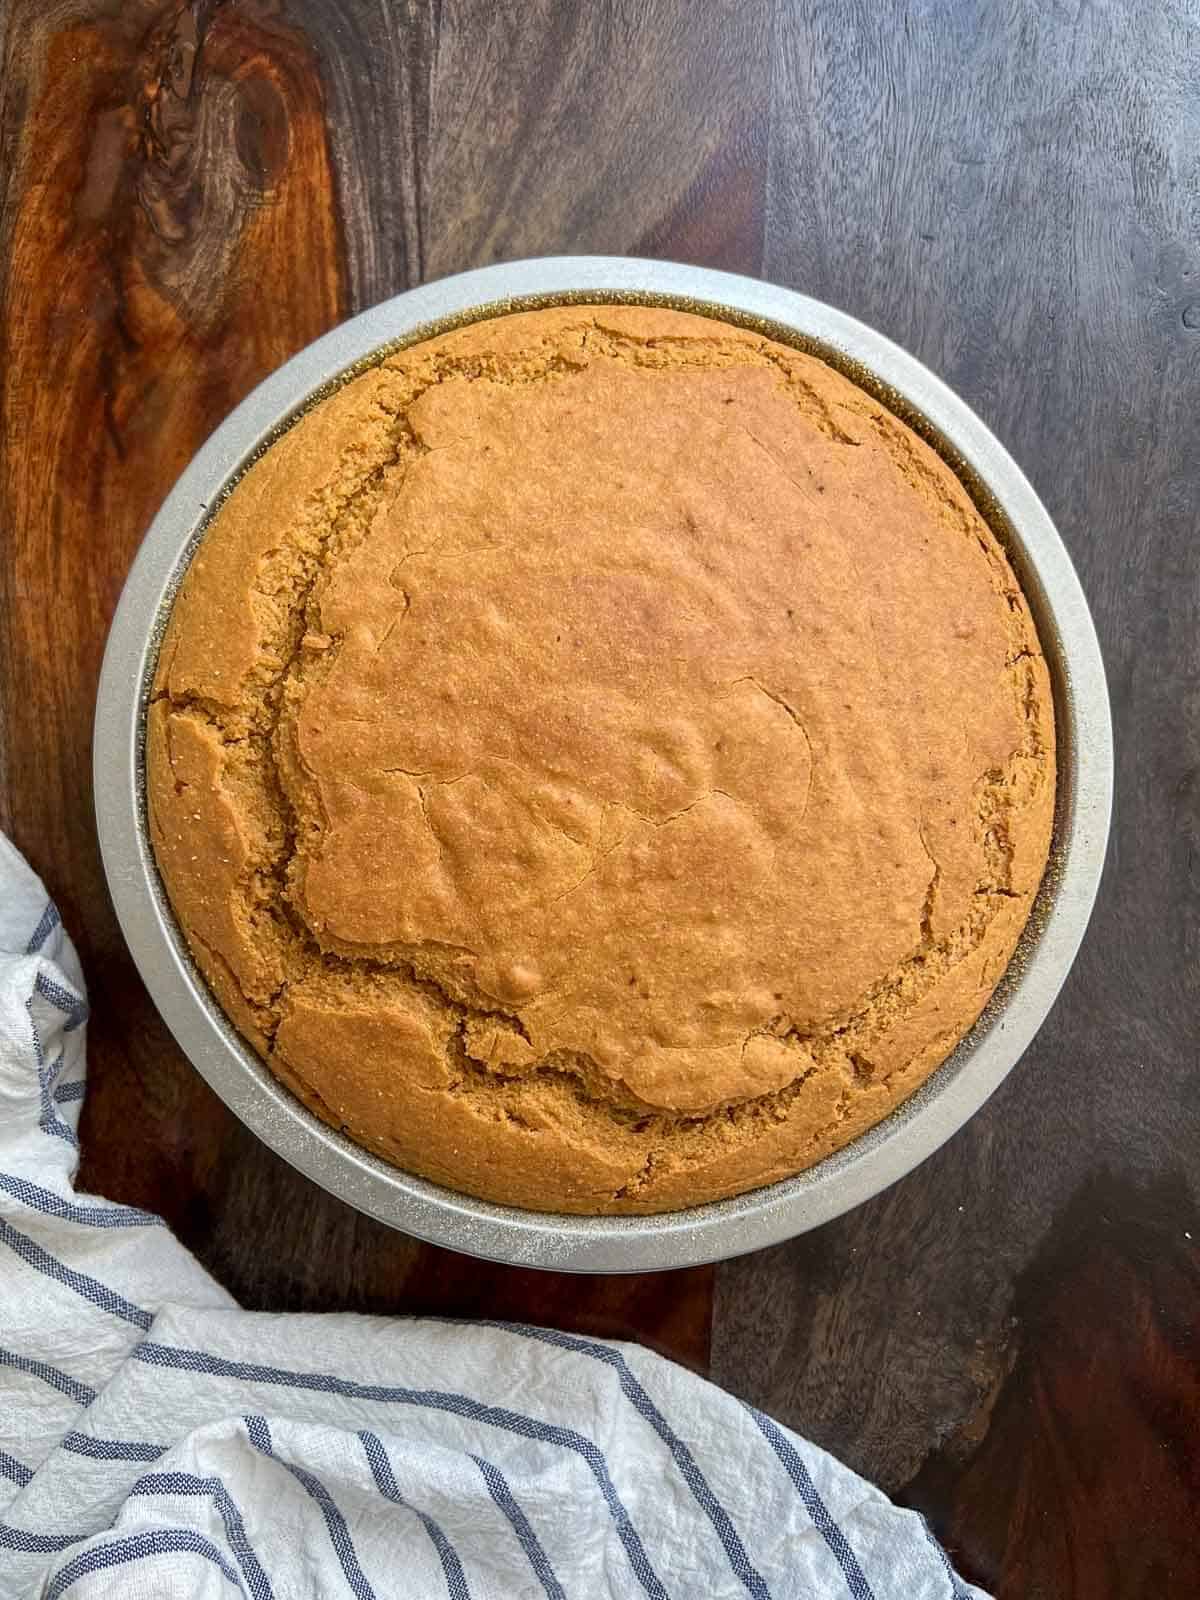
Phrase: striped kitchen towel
x=157 y=1441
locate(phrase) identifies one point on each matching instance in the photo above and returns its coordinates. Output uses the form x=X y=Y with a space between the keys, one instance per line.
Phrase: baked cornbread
x=601 y=759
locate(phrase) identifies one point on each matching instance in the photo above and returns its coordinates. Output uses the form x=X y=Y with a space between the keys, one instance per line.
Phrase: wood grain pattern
x=1079 y=1474
x=1010 y=1339
x=376 y=62
x=159 y=176
x=615 y=128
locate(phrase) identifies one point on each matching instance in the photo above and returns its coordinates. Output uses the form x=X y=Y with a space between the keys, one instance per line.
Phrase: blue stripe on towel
x=53 y=1205
x=37 y=1544
x=46 y=926
x=62 y=1381
x=431 y=1399
x=503 y=1496
x=15 y=1471
x=187 y=1483
x=339 y=1533
x=88 y=1288
x=85 y=1444
x=71 y=1005
x=385 y=1482
x=821 y=1520
x=680 y=1454
x=136 y=1547
x=49 y=1120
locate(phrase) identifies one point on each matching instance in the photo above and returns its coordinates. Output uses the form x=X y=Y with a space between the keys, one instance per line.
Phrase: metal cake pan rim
x=703 y=1233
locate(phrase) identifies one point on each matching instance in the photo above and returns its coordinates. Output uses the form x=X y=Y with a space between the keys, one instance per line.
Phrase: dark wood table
x=1009 y=1339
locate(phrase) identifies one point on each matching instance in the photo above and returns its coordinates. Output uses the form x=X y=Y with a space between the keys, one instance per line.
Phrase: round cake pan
x=765 y=1216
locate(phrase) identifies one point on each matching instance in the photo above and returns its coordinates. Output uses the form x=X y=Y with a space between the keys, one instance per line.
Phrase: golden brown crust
x=601 y=759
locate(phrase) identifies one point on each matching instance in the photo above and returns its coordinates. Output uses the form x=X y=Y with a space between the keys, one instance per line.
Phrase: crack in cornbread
x=601 y=759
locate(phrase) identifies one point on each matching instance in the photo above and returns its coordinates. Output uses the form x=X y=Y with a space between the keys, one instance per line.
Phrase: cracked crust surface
x=601 y=759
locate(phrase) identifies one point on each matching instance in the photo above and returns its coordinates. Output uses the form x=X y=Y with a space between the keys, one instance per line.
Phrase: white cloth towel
x=155 y=1440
